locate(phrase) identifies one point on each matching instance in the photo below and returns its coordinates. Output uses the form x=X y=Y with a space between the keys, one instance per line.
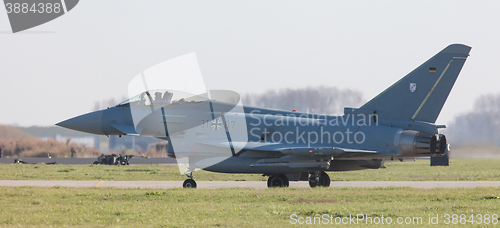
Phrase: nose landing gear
x=189 y=183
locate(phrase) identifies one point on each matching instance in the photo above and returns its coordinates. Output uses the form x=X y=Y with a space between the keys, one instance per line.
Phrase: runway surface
x=83 y=161
x=248 y=184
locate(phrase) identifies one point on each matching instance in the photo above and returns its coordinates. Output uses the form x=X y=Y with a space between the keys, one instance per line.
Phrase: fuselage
x=255 y=134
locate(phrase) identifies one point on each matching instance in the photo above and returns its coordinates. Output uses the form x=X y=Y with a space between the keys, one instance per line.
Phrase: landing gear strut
x=278 y=181
x=189 y=183
x=319 y=179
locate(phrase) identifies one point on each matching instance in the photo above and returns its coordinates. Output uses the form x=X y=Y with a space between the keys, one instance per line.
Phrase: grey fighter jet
x=215 y=132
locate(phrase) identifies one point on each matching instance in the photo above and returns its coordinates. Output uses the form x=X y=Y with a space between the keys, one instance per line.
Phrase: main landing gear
x=278 y=181
x=189 y=183
x=318 y=178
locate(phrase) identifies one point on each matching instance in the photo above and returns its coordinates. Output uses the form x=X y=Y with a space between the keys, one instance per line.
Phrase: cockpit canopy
x=161 y=98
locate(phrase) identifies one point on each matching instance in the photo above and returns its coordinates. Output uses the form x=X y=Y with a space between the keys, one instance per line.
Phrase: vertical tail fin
x=420 y=95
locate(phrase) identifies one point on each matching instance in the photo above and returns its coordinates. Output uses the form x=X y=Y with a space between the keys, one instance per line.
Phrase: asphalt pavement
x=83 y=161
x=248 y=184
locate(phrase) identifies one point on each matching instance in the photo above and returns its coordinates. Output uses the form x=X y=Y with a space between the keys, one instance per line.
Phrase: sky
x=58 y=70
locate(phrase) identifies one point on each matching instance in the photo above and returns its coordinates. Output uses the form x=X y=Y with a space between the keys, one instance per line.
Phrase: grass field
x=30 y=206
x=459 y=170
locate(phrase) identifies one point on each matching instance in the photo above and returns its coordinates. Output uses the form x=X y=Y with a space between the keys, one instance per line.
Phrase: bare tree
x=321 y=99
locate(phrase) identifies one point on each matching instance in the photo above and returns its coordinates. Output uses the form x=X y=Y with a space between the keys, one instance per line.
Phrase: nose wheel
x=189 y=183
x=319 y=179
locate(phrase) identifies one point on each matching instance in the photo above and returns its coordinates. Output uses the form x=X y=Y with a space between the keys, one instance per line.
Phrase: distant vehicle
x=113 y=159
x=221 y=135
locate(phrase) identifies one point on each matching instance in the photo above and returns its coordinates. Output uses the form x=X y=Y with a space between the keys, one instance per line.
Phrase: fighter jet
x=214 y=131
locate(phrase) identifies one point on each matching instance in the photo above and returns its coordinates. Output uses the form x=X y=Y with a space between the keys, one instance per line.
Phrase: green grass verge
x=57 y=206
x=459 y=170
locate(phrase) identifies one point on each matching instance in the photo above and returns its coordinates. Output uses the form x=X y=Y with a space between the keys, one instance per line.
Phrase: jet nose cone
x=90 y=123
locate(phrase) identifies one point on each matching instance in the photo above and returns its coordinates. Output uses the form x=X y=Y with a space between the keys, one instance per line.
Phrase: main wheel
x=189 y=183
x=278 y=181
x=286 y=183
x=324 y=180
